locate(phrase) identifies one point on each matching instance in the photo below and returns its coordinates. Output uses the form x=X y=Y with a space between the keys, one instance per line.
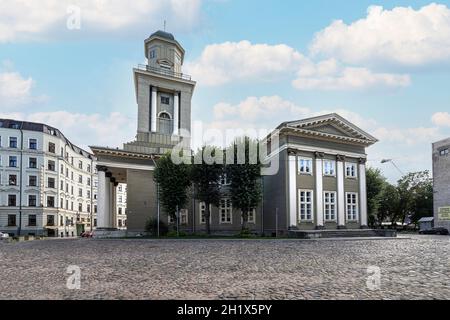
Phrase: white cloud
x=85 y=129
x=329 y=75
x=222 y=63
x=16 y=91
x=408 y=136
x=25 y=20
x=401 y=36
x=441 y=119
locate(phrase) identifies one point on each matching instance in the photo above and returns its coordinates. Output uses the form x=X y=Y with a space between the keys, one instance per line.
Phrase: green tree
x=245 y=177
x=375 y=184
x=388 y=203
x=205 y=174
x=173 y=183
x=416 y=196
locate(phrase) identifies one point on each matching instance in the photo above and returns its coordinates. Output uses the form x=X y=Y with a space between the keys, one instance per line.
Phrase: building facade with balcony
x=48 y=186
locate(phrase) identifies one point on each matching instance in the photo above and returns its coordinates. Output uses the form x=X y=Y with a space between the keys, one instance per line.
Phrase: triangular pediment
x=331 y=126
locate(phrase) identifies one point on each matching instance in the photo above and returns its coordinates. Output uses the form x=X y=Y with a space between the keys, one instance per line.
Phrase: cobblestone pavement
x=414 y=268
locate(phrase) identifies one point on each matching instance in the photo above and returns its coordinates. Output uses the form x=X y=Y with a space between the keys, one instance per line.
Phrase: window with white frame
x=329 y=167
x=225 y=209
x=202 y=213
x=305 y=165
x=32 y=144
x=306 y=205
x=444 y=152
x=350 y=170
x=330 y=205
x=224 y=181
x=251 y=216
x=352 y=206
x=184 y=215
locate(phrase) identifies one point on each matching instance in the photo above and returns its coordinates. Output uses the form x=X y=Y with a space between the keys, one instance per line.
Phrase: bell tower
x=163 y=96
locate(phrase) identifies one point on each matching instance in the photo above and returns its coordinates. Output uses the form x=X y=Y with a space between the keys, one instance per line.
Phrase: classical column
x=319 y=190
x=102 y=198
x=340 y=191
x=362 y=193
x=114 y=204
x=293 y=215
x=154 y=108
x=176 y=110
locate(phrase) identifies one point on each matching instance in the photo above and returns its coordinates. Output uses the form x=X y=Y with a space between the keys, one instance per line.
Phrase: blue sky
x=256 y=63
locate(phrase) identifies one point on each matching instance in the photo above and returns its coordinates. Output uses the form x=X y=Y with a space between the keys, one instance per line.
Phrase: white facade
x=46 y=182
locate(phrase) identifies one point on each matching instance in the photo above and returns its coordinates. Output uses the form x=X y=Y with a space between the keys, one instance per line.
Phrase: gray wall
x=441 y=181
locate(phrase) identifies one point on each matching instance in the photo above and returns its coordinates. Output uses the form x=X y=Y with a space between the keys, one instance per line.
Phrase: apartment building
x=48 y=186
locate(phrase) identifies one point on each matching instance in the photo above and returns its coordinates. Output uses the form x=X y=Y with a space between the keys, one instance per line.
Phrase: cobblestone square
x=414 y=267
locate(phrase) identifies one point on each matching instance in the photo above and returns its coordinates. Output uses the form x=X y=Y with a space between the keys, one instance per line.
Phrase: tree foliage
x=245 y=176
x=206 y=179
x=173 y=183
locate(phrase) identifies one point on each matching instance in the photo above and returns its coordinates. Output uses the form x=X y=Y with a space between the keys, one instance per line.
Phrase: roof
x=346 y=131
x=41 y=127
x=163 y=34
x=426 y=219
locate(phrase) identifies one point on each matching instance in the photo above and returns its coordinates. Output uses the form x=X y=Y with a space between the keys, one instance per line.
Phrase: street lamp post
x=393 y=163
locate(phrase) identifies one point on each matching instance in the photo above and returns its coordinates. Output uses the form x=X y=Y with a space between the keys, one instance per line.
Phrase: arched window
x=164 y=115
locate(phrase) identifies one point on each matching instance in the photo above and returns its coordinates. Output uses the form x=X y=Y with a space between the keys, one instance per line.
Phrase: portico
x=118 y=166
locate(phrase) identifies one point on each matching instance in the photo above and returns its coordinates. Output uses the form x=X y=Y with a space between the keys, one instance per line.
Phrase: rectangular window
x=153 y=54
x=95 y=222
x=50 y=220
x=80 y=179
x=305 y=165
x=120 y=210
x=251 y=216
x=62 y=185
x=51 y=165
x=61 y=204
x=330 y=206
x=50 y=202
x=306 y=205
x=71 y=190
x=352 y=206
x=62 y=169
x=32 y=144
x=13 y=161
x=13 y=180
x=51 y=183
x=32 y=220
x=32 y=200
x=329 y=168
x=120 y=199
x=95 y=208
x=32 y=163
x=88 y=168
x=80 y=207
x=202 y=212
x=165 y=100
x=88 y=181
x=67 y=172
x=80 y=192
x=13 y=142
x=51 y=147
x=80 y=164
x=88 y=194
x=11 y=220
x=444 y=152
x=225 y=210
x=32 y=181
x=88 y=208
x=71 y=176
x=184 y=214
x=350 y=170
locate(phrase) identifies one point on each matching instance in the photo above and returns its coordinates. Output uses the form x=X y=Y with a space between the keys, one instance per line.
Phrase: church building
x=320 y=183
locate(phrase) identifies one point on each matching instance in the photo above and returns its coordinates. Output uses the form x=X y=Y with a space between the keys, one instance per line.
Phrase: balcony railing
x=168 y=73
